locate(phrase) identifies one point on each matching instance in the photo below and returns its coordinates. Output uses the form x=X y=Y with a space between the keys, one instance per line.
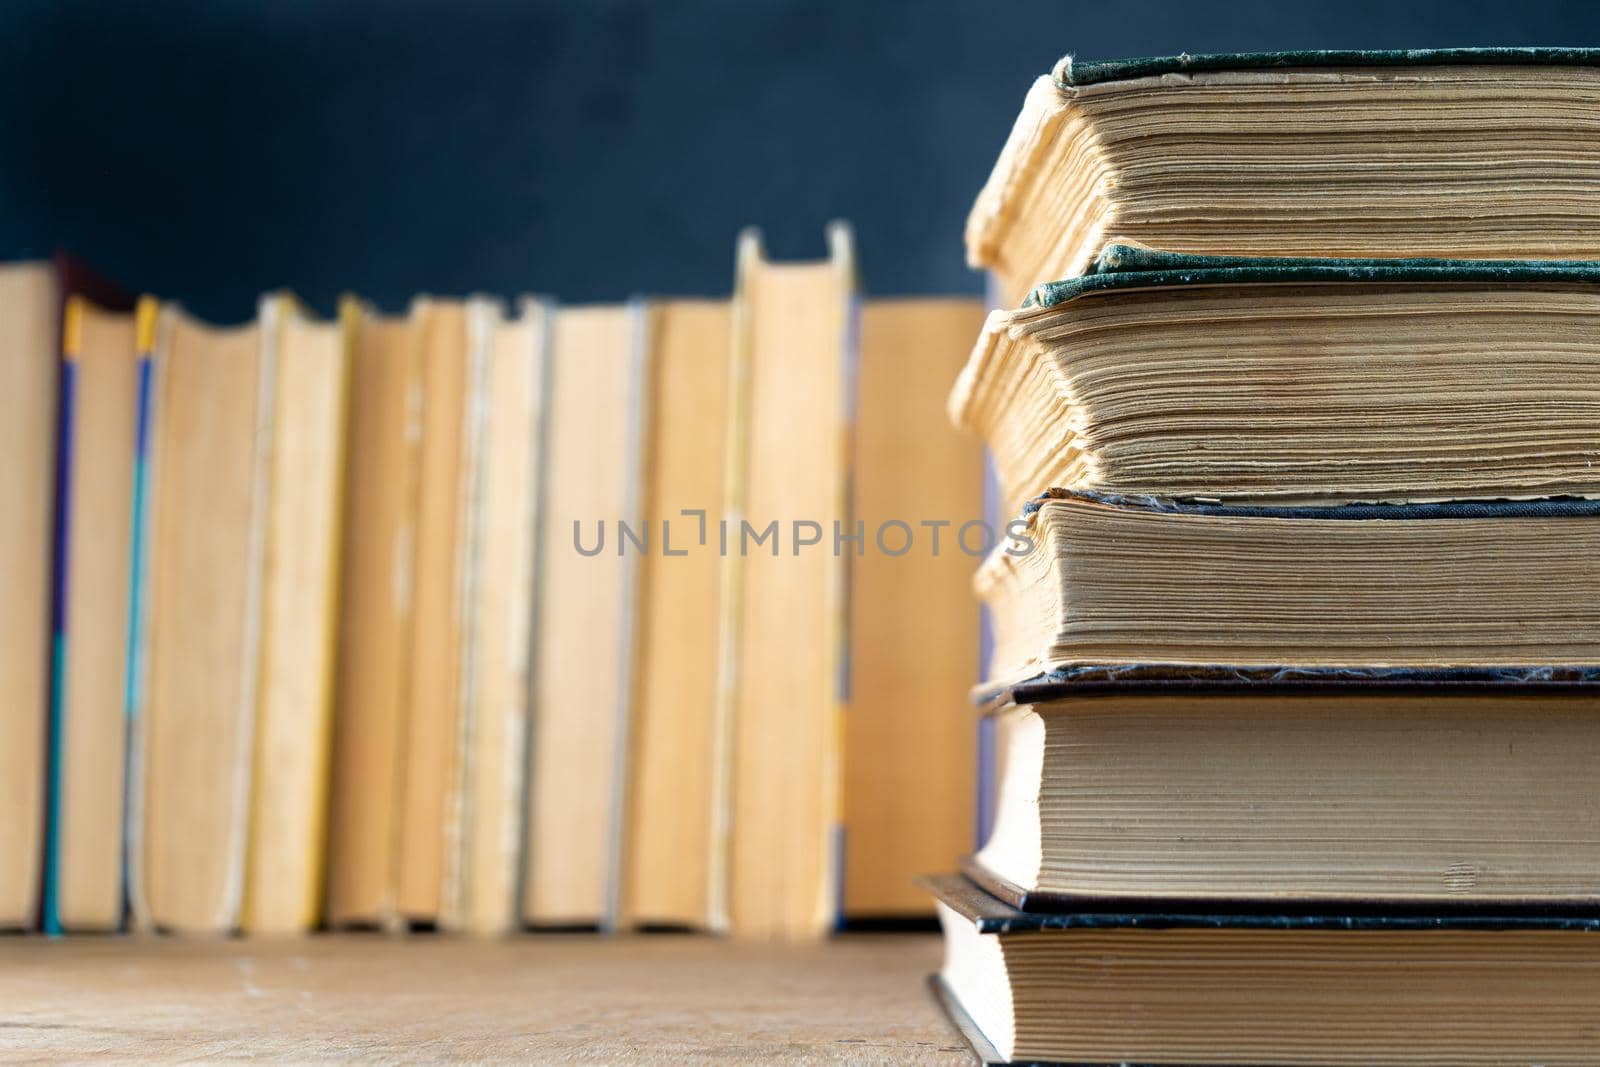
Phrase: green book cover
x=1072 y=72
x=1126 y=266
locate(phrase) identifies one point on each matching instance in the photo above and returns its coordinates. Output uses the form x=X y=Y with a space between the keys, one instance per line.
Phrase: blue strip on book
x=65 y=457
x=141 y=458
x=993 y=916
x=132 y=680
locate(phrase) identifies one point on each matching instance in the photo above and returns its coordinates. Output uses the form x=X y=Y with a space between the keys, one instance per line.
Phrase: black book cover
x=994 y=916
x=1085 y=679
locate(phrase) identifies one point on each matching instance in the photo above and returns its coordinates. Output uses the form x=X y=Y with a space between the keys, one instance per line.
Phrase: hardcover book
x=1439 y=152
x=910 y=748
x=500 y=609
x=103 y=409
x=583 y=637
x=783 y=674
x=1219 y=987
x=199 y=654
x=31 y=297
x=451 y=370
x=1291 y=381
x=375 y=612
x=1094 y=585
x=670 y=813
x=299 y=615
x=1387 y=798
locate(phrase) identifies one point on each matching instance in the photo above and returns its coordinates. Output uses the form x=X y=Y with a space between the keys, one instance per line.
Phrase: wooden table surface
x=663 y=999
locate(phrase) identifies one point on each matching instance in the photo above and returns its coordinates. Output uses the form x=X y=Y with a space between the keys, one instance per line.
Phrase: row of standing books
x=1295 y=681
x=477 y=618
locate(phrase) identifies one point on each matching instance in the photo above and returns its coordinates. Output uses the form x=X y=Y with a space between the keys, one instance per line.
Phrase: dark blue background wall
x=208 y=151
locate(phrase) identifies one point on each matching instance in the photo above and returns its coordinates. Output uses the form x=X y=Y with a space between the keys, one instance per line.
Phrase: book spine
x=841 y=248
x=151 y=327
x=730 y=590
x=71 y=347
x=455 y=891
x=404 y=598
x=349 y=318
x=637 y=412
x=543 y=312
x=271 y=312
x=994 y=514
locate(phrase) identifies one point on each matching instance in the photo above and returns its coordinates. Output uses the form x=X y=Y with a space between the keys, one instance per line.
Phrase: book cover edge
x=1073 y=73
x=1126 y=267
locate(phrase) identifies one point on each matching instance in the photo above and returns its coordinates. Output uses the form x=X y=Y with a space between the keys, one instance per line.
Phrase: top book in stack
x=1464 y=152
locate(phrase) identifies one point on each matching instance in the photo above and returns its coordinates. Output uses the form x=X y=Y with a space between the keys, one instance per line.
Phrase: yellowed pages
x=209 y=461
x=910 y=738
x=283 y=891
x=104 y=350
x=1312 y=392
x=1264 y=997
x=501 y=611
x=785 y=611
x=579 y=650
x=670 y=800
x=28 y=361
x=1145 y=588
x=1474 y=161
x=429 y=802
x=1313 y=797
x=374 y=622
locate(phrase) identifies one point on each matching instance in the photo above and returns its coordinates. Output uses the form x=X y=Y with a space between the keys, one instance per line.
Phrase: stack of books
x=1295 y=644
x=478 y=617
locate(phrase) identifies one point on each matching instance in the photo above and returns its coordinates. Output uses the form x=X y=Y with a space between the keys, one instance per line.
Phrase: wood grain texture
x=650 y=1000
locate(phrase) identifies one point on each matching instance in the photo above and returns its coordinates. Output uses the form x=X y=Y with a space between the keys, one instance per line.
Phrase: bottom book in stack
x=1191 y=987
x=1402 y=871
